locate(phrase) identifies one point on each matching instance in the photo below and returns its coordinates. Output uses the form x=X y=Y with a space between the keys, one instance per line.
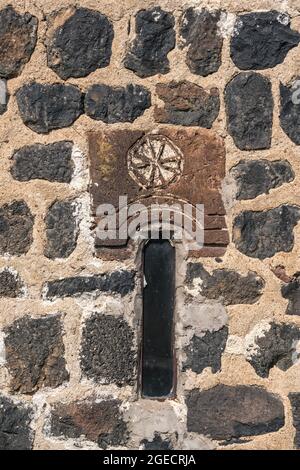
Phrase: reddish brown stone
x=187 y=104
x=200 y=160
x=99 y=422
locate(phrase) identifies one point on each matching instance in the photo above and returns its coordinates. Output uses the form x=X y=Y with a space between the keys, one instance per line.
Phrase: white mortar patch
x=3 y=91
x=226 y=24
x=259 y=331
x=197 y=318
x=235 y=345
x=2 y=349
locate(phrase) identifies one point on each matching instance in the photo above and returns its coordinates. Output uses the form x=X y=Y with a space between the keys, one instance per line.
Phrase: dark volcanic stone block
x=16 y=225
x=50 y=162
x=46 y=107
x=274 y=347
x=249 y=110
x=264 y=233
x=202 y=40
x=15 y=419
x=155 y=38
x=116 y=104
x=107 y=350
x=117 y=282
x=261 y=40
x=257 y=177
x=228 y=412
x=35 y=353
x=80 y=44
x=10 y=284
x=226 y=285
x=290 y=110
x=61 y=229
x=206 y=351
x=17 y=41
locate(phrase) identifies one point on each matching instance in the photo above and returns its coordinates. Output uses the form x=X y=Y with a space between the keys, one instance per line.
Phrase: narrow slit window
x=157 y=365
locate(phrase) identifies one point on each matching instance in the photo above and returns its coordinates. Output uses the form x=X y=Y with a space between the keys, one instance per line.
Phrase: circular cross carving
x=154 y=161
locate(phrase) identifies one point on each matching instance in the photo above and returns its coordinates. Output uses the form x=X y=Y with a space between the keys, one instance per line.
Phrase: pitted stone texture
x=4 y=96
x=274 y=346
x=10 y=284
x=15 y=419
x=61 y=229
x=50 y=162
x=107 y=350
x=261 y=40
x=228 y=413
x=155 y=38
x=206 y=351
x=116 y=104
x=249 y=110
x=290 y=110
x=225 y=285
x=35 y=353
x=97 y=421
x=262 y=234
x=17 y=41
x=187 y=104
x=16 y=224
x=202 y=41
x=159 y=442
x=295 y=404
x=79 y=42
x=45 y=107
x=118 y=282
x=255 y=177
x=291 y=291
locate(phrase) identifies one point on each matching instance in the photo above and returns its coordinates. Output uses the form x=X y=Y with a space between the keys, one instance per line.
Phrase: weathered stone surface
x=201 y=38
x=225 y=285
x=274 y=345
x=291 y=291
x=97 y=421
x=46 y=107
x=17 y=41
x=10 y=284
x=35 y=353
x=261 y=40
x=107 y=351
x=116 y=104
x=158 y=442
x=118 y=282
x=295 y=403
x=197 y=155
x=16 y=223
x=206 y=351
x=4 y=96
x=262 y=234
x=15 y=431
x=187 y=104
x=50 y=162
x=228 y=413
x=255 y=177
x=290 y=110
x=61 y=229
x=155 y=38
x=249 y=109
x=79 y=42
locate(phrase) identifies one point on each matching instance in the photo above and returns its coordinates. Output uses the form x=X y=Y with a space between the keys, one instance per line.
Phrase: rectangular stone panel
x=166 y=165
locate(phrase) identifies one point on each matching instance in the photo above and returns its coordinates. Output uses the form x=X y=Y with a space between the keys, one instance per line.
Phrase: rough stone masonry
x=81 y=88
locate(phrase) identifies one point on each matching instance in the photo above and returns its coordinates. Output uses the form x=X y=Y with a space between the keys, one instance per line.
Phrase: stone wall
x=225 y=73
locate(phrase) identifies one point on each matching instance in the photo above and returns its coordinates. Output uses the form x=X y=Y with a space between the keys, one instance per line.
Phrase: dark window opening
x=157 y=365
